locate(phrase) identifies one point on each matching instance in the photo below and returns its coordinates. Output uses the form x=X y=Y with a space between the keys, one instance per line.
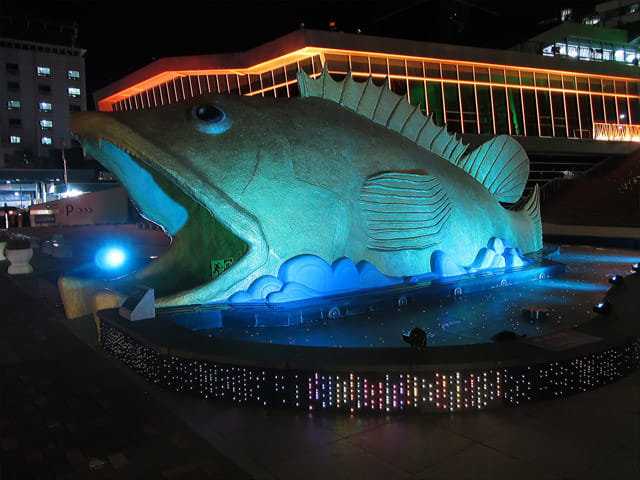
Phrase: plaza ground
x=69 y=411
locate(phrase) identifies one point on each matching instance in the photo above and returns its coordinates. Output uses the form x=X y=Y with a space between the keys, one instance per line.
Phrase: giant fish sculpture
x=348 y=169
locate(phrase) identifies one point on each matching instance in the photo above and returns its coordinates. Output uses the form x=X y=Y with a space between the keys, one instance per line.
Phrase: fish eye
x=210 y=119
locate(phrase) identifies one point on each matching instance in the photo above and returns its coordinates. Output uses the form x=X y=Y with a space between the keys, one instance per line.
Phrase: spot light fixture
x=616 y=280
x=603 y=308
x=635 y=267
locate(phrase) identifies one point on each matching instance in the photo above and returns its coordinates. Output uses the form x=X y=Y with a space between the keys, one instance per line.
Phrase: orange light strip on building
x=489 y=84
x=106 y=103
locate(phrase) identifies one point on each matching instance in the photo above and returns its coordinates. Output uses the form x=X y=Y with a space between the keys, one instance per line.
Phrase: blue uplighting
x=110 y=258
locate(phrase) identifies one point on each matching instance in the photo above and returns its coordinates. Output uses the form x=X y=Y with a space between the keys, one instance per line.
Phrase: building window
x=15 y=122
x=74 y=108
x=14 y=105
x=46 y=124
x=44 y=106
x=44 y=89
x=45 y=140
x=15 y=139
x=13 y=68
x=43 y=71
x=73 y=92
x=73 y=74
x=13 y=86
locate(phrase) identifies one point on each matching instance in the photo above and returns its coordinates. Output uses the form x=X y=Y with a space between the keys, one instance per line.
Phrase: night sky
x=121 y=37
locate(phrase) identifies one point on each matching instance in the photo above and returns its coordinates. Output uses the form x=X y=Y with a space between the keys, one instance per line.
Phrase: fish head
x=182 y=167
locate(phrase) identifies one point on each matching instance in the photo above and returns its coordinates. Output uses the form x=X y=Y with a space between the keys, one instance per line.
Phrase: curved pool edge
x=387 y=380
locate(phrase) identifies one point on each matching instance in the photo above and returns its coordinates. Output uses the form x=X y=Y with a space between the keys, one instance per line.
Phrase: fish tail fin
x=531 y=211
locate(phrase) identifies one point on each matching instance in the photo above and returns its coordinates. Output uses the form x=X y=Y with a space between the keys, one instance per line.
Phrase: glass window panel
x=559 y=121
x=414 y=69
x=573 y=122
x=465 y=73
x=497 y=75
x=623 y=111
x=541 y=79
x=398 y=85
x=434 y=97
x=582 y=83
x=482 y=74
x=243 y=81
x=544 y=107
x=433 y=70
x=278 y=75
x=452 y=103
x=634 y=111
x=469 y=116
x=584 y=105
x=484 y=109
x=267 y=81
x=595 y=84
x=305 y=65
x=233 y=84
x=610 y=110
x=417 y=94
x=316 y=63
x=515 y=110
x=526 y=78
x=598 y=108
x=219 y=83
x=569 y=82
x=294 y=90
x=633 y=88
x=254 y=83
x=73 y=74
x=378 y=65
x=555 y=81
x=530 y=112
x=359 y=64
x=621 y=86
x=337 y=63
x=500 y=110
x=396 y=67
x=281 y=92
x=449 y=71
x=291 y=71
x=513 y=77
x=607 y=86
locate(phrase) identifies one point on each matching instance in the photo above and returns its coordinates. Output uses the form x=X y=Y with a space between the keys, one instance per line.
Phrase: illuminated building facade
x=471 y=90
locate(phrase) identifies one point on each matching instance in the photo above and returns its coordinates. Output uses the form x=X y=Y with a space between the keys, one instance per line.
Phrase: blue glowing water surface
x=472 y=318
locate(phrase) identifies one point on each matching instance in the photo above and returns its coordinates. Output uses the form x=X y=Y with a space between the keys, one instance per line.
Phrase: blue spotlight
x=110 y=258
x=616 y=280
x=603 y=308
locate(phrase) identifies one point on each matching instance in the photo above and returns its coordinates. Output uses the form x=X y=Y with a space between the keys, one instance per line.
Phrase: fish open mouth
x=202 y=248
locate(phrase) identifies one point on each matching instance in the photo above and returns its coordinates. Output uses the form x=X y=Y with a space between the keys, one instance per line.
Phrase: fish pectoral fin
x=403 y=210
x=501 y=165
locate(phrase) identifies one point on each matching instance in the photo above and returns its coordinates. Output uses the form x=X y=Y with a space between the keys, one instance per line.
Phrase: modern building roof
x=302 y=42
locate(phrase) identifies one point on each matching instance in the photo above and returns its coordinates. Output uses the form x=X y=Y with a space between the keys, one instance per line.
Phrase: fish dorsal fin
x=386 y=108
x=501 y=165
x=403 y=210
